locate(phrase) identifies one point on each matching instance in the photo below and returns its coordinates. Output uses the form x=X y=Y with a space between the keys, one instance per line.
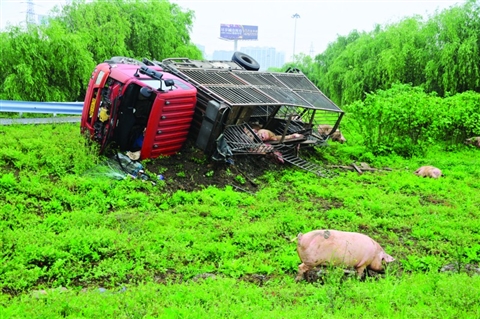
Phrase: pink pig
x=334 y=247
x=267 y=135
x=428 y=171
x=337 y=136
x=475 y=141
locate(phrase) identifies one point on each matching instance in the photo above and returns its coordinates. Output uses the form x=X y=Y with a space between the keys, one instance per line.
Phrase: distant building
x=266 y=57
x=202 y=49
x=224 y=55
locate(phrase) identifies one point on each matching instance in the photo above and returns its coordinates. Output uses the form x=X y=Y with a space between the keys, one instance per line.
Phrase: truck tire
x=245 y=61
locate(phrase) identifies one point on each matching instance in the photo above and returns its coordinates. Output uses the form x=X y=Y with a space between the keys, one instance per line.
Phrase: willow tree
x=137 y=28
x=401 y=57
x=53 y=62
x=160 y=30
x=365 y=62
x=102 y=25
x=440 y=54
x=454 y=50
x=332 y=64
x=43 y=63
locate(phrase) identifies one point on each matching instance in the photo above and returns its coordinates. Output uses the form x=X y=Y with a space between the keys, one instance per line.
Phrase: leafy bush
x=405 y=120
x=396 y=120
x=458 y=118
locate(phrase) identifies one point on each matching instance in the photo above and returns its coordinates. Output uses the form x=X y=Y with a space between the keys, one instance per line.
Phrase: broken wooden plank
x=359 y=171
x=362 y=168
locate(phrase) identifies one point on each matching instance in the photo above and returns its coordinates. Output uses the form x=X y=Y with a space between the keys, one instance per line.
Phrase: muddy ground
x=190 y=170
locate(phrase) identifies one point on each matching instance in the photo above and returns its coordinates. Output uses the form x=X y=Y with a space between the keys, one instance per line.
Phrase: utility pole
x=30 y=12
x=295 y=16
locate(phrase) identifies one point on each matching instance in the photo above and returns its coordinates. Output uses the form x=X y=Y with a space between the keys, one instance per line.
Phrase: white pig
x=428 y=171
x=339 y=248
x=337 y=136
x=475 y=141
x=267 y=135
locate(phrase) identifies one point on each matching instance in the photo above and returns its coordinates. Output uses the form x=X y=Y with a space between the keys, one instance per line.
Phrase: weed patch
x=188 y=244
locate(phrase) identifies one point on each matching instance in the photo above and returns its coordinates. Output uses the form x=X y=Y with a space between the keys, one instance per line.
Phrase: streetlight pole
x=295 y=16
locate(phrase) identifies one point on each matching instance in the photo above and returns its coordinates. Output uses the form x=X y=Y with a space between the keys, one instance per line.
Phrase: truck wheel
x=245 y=61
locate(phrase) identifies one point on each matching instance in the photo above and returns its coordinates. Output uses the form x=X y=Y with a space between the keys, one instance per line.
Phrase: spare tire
x=245 y=61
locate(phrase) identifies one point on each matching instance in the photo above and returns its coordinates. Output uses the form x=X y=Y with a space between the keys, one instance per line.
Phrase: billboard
x=238 y=32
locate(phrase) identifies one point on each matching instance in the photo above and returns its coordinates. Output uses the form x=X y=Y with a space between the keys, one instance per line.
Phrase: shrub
x=405 y=120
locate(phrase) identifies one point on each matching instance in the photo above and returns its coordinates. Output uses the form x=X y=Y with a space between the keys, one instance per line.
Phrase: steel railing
x=72 y=108
x=54 y=108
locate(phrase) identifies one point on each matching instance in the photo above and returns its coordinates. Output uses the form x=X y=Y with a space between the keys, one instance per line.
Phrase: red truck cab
x=137 y=107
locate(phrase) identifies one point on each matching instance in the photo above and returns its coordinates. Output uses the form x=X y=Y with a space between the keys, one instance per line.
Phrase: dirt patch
x=191 y=170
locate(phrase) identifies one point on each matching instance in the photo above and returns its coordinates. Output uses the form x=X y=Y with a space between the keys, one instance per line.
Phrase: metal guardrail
x=73 y=108
x=43 y=120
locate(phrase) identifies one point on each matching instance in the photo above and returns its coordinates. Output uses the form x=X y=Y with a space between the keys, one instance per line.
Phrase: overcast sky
x=320 y=22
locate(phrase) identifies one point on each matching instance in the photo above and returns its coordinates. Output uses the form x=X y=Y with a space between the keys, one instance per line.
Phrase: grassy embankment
x=126 y=249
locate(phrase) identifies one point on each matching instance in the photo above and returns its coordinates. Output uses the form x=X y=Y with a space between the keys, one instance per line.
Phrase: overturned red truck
x=152 y=108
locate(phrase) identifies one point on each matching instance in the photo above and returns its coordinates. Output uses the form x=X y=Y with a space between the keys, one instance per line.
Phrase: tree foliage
x=440 y=54
x=408 y=84
x=136 y=28
x=405 y=120
x=53 y=62
x=43 y=64
x=453 y=44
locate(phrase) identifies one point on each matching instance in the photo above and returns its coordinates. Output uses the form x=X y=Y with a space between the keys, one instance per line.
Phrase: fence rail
x=72 y=108
x=69 y=108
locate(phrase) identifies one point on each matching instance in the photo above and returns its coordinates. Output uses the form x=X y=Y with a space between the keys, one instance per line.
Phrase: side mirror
x=169 y=83
x=146 y=92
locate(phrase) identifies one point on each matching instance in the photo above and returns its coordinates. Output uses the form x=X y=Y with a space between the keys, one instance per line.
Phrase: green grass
x=61 y=225
x=416 y=295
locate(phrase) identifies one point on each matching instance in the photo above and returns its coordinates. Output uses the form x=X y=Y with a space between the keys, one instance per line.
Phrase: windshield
x=157 y=84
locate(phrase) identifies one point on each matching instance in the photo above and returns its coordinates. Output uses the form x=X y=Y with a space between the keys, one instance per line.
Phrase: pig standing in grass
x=337 y=136
x=475 y=141
x=338 y=248
x=428 y=171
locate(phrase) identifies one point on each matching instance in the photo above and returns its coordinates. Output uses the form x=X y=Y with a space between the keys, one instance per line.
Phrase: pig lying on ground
x=428 y=171
x=338 y=248
x=267 y=135
x=337 y=136
x=475 y=141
